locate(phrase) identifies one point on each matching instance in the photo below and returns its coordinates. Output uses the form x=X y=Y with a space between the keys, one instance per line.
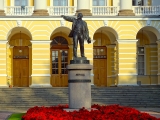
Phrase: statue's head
x=80 y=15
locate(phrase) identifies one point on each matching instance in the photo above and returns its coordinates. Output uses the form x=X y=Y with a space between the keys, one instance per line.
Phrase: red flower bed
x=111 y=112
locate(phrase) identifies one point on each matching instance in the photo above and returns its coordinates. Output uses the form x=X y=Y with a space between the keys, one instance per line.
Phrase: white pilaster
x=127 y=70
x=40 y=8
x=40 y=63
x=126 y=8
x=83 y=6
x=3 y=63
x=2 y=8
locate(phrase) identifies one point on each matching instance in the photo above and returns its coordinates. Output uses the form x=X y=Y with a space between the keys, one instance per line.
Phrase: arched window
x=59 y=41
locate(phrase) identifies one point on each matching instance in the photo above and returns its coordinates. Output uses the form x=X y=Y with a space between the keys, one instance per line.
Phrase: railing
x=71 y=10
x=146 y=10
x=61 y=10
x=19 y=10
x=105 y=10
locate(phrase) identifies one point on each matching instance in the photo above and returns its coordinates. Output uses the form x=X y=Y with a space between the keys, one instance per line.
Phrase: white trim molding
x=126 y=41
x=40 y=41
x=3 y=75
x=44 y=75
x=3 y=41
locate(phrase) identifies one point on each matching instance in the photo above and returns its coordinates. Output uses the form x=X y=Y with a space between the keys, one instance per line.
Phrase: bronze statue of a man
x=79 y=33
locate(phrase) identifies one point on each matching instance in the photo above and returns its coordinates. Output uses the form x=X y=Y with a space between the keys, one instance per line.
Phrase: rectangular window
x=60 y=2
x=98 y=2
x=21 y=2
x=141 y=61
x=55 y=62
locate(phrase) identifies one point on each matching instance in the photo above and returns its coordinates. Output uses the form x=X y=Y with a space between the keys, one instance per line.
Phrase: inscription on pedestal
x=79 y=61
x=80 y=74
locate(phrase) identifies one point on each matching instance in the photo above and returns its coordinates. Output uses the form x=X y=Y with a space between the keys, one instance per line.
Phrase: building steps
x=24 y=98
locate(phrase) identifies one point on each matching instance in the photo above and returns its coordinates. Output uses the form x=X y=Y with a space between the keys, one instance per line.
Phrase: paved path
x=152 y=111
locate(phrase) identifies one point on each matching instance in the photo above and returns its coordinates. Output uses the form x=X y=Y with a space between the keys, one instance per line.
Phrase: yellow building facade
x=35 y=48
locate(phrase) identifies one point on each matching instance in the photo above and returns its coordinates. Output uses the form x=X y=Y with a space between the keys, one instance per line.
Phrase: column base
x=85 y=12
x=126 y=12
x=4 y=86
x=2 y=13
x=40 y=85
x=40 y=12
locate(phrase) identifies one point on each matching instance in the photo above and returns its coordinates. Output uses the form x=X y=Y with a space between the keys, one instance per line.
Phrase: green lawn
x=16 y=116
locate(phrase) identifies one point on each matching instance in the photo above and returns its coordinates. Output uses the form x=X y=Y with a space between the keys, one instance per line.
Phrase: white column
x=83 y=6
x=40 y=8
x=2 y=8
x=126 y=8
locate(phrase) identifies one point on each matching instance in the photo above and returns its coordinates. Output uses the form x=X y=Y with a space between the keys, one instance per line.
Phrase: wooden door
x=20 y=66
x=20 y=72
x=100 y=66
x=59 y=77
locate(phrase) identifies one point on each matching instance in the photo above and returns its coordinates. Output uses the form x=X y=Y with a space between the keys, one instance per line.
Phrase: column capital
x=40 y=41
x=3 y=41
x=126 y=41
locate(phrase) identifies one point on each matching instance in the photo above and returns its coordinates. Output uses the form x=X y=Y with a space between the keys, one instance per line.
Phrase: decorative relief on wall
x=105 y=22
x=148 y=22
x=62 y=22
x=19 y=23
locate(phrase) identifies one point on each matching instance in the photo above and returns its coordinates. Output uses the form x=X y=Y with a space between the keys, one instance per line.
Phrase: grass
x=16 y=116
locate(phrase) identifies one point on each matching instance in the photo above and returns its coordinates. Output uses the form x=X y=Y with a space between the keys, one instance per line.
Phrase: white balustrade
x=146 y=10
x=19 y=10
x=71 y=10
x=105 y=10
x=61 y=10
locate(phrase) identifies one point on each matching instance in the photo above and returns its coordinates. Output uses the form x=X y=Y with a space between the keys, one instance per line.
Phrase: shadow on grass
x=16 y=116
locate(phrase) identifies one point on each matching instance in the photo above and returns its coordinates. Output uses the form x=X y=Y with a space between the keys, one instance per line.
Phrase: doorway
x=21 y=66
x=100 y=66
x=59 y=62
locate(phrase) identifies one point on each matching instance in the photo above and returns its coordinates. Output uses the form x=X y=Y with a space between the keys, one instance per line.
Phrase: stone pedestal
x=85 y=12
x=126 y=13
x=2 y=13
x=79 y=81
x=41 y=12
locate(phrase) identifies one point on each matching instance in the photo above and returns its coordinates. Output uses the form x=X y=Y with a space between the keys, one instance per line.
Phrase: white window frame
x=12 y=2
x=144 y=60
x=51 y=2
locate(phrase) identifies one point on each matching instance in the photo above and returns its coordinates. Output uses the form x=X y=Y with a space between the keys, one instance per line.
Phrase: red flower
x=111 y=112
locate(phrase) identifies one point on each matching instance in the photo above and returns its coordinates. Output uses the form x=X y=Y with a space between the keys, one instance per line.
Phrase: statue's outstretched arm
x=70 y=19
